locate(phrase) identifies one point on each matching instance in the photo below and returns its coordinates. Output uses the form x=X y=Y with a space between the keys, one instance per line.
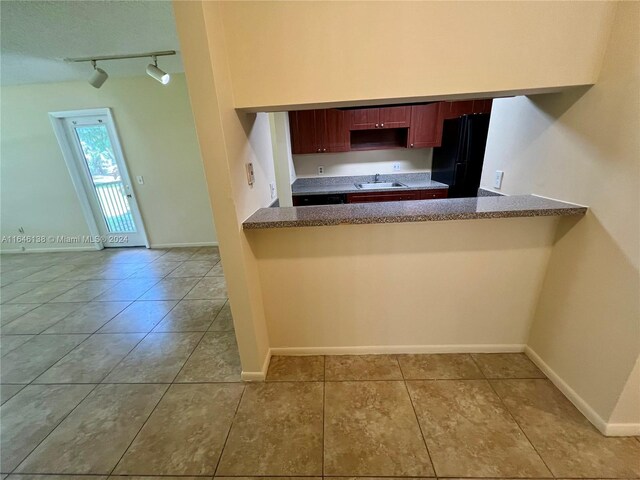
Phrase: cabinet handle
x=324 y=149
x=377 y=125
x=319 y=150
x=412 y=145
x=381 y=125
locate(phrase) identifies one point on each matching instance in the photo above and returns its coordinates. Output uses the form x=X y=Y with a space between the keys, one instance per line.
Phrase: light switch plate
x=497 y=182
x=272 y=188
x=140 y=180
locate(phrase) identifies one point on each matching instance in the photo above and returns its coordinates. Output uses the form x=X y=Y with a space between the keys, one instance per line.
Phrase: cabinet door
x=426 y=126
x=457 y=109
x=482 y=106
x=395 y=117
x=383 y=196
x=434 y=193
x=334 y=128
x=364 y=118
x=304 y=132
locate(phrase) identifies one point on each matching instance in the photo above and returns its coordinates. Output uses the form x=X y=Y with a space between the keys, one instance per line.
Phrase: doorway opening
x=98 y=170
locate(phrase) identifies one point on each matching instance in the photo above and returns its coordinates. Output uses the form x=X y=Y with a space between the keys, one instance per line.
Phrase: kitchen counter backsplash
x=384 y=177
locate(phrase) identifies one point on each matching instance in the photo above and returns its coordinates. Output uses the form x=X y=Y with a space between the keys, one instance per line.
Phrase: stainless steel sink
x=374 y=185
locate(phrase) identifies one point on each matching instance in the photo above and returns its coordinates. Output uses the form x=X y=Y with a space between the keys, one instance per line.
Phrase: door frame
x=57 y=121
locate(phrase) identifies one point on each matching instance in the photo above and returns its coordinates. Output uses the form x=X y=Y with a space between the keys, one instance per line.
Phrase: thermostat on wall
x=250 y=177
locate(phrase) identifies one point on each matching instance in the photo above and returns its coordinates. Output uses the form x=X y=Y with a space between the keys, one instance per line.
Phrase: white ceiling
x=35 y=37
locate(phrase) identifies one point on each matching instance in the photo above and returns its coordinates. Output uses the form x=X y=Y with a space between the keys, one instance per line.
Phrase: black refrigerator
x=458 y=161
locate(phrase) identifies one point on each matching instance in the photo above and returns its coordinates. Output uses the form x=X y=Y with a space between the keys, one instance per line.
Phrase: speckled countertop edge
x=411 y=211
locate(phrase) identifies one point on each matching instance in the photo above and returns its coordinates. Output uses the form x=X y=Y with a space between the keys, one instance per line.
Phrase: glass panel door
x=105 y=178
x=103 y=173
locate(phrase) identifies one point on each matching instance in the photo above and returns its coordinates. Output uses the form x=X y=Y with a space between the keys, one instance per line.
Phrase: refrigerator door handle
x=459 y=171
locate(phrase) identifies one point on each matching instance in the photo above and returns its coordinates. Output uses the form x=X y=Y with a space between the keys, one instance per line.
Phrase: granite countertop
x=411 y=211
x=335 y=185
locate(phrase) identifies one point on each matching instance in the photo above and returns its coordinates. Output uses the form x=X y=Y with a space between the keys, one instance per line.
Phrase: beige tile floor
x=123 y=363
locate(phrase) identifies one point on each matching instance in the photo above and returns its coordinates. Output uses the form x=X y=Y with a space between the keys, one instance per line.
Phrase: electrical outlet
x=396 y=167
x=272 y=187
x=497 y=182
x=320 y=170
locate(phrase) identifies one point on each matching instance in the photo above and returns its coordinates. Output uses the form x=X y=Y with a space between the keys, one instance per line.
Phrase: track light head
x=98 y=77
x=159 y=75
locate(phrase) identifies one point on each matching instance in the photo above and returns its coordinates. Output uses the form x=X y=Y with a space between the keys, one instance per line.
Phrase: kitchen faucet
x=376 y=179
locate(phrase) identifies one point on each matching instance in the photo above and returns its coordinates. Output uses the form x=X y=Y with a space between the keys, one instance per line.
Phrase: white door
x=98 y=165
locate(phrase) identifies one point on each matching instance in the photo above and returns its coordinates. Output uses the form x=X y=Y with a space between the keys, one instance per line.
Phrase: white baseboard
x=623 y=429
x=391 y=349
x=258 y=376
x=51 y=249
x=175 y=245
x=608 y=429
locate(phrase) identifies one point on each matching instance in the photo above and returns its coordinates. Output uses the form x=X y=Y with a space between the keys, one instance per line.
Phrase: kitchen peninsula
x=412 y=211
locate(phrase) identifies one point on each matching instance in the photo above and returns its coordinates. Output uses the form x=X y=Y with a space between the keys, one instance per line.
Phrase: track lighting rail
x=163 y=53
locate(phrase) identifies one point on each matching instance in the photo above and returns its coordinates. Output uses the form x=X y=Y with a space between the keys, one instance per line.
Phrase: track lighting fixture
x=98 y=77
x=154 y=72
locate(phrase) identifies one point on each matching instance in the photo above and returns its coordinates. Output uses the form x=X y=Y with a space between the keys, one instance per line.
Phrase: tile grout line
x=136 y=345
x=52 y=430
x=80 y=308
x=82 y=342
x=511 y=415
x=189 y=357
x=324 y=407
x=226 y=438
x=86 y=339
x=43 y=303
x=413 y=407
x=124 y=452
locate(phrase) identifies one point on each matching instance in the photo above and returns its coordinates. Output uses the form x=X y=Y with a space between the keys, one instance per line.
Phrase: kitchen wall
x=237 y=54
x=288 y=54
x=158 y=136
x=583 y=147
x=364 y=163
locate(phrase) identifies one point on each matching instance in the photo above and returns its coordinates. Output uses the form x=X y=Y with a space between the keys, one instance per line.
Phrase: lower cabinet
x=435 y=193
x=329 y=199
x=370 y=197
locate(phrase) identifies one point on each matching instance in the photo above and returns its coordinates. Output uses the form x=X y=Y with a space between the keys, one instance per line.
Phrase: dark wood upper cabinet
x=466 y=107
x=383 y=117
x=364 y=118
x=304 y=132
x=395 y=117
x=426 y=126
x=335 y=130
x=416 y=126
x=318 y=131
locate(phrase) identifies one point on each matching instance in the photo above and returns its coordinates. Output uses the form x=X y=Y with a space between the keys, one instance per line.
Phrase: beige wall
x=228 y=142
x=433 y=286
x=240 y=54
x=364 y=163
x=584 y=147
x=299 y=53
x=156 y=129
